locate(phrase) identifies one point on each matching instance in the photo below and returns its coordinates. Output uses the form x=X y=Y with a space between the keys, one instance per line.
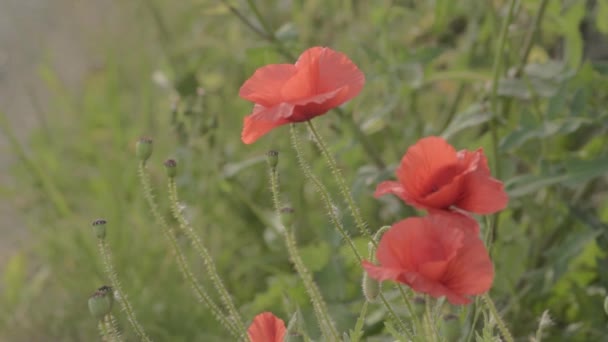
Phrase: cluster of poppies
x=440 y=254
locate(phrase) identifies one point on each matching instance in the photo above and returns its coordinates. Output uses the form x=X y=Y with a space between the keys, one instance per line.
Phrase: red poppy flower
x=266 y=327
x=320 y=80
x=441 y=255
x=432 y=175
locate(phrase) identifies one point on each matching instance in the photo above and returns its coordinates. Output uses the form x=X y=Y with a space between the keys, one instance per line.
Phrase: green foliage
x=428 y=70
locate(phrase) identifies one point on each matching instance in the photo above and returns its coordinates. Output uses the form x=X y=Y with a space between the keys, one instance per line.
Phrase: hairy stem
x=124 y=300
x=322 y=190
x=327 y=324
x=198 y=289
x=206 y=256
x=112 y=329
x=335 y=170
x=502 y=327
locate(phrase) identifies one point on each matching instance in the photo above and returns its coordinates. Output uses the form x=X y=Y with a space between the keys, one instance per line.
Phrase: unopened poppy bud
x=371 y=287
x=287 y=217
x=451 y=327
x=294 y=333
x=143 y=148
x=100 y=302
x=171 y=167
x=272 y=157
x=99 y=226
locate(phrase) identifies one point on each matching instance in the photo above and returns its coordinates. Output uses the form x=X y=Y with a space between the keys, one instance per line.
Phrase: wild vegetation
x=524 y=80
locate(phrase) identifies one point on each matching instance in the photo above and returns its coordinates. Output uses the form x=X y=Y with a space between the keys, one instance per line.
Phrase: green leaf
x=315 y=256
x=602 y=14
x=475 y=115
x=527 y=184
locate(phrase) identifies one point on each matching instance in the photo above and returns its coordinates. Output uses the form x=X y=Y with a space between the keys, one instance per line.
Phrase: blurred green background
x=172 y=71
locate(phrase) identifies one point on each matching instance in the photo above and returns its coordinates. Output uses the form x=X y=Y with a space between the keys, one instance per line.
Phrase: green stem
x=501 y=324
x=198 y=289
x=124 y=300
x=327 y=201
x=103 y=331
x=335 y=170
x=496 y=73
x=394 y=316
x=531 y=37
x=206 y=256
x=322 y=190
x=328 y=327
x=112 y=328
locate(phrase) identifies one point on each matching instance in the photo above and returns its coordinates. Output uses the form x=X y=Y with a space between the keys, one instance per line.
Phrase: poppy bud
x=171 y=167
x=450 y=327
x=99 y=226
x=143 y=148
x=100 y=302
x=371 y=287
x=287 y=217
x=272 y=157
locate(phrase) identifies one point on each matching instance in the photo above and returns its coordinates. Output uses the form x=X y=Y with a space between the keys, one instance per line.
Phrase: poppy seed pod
x=272 y=157
x=287 y=217
x=143 y=148
x=100 y=302
x=171 y=168
x=99 y=226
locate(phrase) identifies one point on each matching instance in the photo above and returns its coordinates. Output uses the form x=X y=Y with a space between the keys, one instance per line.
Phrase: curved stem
x=124 y=300
x=320 y=307
x=198 y=289
x=206 y=256
x=335 y=170
x=322 y=190
x=502 y=327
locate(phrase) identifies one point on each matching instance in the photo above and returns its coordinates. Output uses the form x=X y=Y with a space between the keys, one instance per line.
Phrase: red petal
x=381 y=273
x=389 y=187
x=462 y=221
x=482 y=194
x=471 y=271
x=264 y=87
x=422 y=161
x=263 y=120
x=322 y=70
x=416 y=241
x=266 y=327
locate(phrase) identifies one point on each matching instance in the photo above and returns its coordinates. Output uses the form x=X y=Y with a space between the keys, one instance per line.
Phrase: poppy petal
x=381 y=273
x=262 y=120
x=471 y=272
x=435 y=289
x=264 y=87
x=338 y=71
x=389 y=187
x=266 y=327
x=482 y=194
x=422 y=161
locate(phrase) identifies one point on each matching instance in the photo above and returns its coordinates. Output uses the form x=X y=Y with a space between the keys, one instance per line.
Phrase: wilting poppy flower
x=320 y=80
x=266 y=327
x=432 y=175
x=441 y=255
